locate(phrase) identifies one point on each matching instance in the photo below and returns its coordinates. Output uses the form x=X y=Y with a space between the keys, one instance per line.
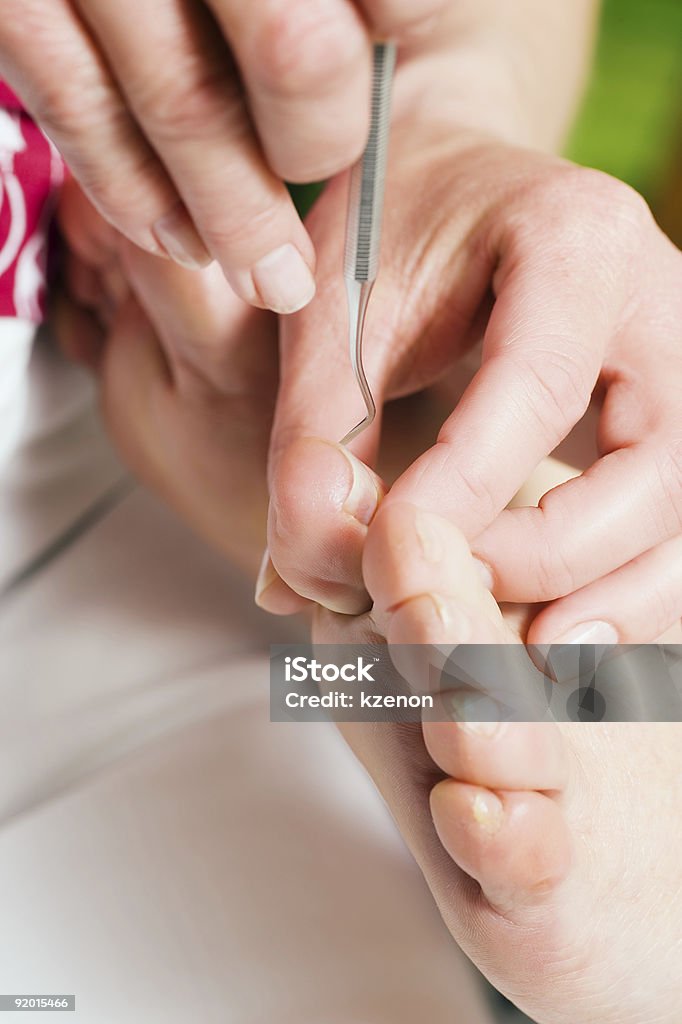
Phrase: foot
x=551 y=849
x=187 y=375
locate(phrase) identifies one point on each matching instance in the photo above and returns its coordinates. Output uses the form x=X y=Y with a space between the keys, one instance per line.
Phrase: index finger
x=307 y=67
x=542 y=355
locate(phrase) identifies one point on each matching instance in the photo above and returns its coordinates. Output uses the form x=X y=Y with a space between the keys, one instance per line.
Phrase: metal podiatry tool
x=363 y=229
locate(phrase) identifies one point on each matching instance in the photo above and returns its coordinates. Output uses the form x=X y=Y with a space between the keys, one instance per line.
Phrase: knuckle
x=189 y=105
x=59 y=107
x=669 y=467
x=625 y=210
x=389 y=16
x=303 y=50
x=124 y=182
x=233 y=229
x=126 y=197
x=573 y=204
x=618 y=197
x=607 y=199
x=334 y=147
x=556 y=386
x=550 y=566
x=665 y=609
x=471 y=484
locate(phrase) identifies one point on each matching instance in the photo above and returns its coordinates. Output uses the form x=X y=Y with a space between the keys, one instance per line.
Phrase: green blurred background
x=631 y=122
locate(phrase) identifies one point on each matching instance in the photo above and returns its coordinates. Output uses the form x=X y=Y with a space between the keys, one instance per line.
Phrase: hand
x=187 y=376
x=579 y=293
x=181 y=121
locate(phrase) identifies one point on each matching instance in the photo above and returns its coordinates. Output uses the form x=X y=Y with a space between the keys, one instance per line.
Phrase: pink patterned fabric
x=31 y=172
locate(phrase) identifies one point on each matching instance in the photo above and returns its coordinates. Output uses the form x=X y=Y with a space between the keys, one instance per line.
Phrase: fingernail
x=428 y=537
x=178 y=237
x=477 y=715
x=488 y=811
x=485 y=574
x=589 y=633
x=283 y=280
x=363 y=497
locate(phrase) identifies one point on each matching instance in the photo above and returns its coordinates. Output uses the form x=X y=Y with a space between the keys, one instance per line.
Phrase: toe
x=272 y=593
x=322 y=502
x=516 y=845
x=499 y=755
x=411 y=554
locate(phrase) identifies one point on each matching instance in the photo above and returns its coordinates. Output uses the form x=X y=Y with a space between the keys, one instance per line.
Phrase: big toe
x=322 y=502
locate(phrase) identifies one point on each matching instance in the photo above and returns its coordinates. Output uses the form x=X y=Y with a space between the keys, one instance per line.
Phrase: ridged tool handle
x=363 y=225
x=366 y=197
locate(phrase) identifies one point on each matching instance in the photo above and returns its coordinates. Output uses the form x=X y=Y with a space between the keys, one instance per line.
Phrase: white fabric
x=166 y=853
x=16 y=337
x=64 y=464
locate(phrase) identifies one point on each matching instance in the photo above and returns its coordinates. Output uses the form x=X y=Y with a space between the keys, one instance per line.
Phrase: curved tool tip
x=359 y=428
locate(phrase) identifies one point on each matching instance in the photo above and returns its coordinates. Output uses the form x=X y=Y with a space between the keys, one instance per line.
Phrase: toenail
x=428 y=537
x=485 y=574
x=486 y=730
x=488 y=811
x=267 y=574
x=363 y=497
x=442 y=610
x=476 y=714
x=272 y=593
x=589 y=633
